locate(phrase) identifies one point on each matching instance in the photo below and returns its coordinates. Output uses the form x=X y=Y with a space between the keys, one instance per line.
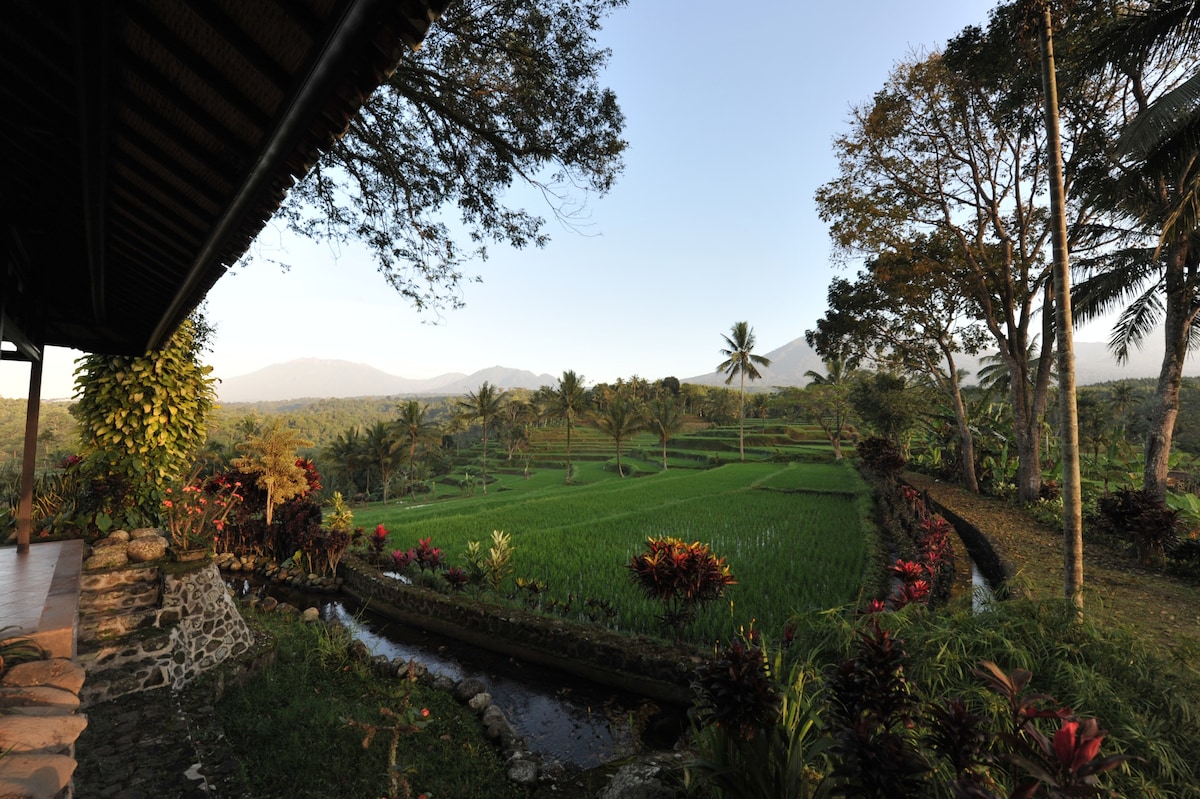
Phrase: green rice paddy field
x=794 y=536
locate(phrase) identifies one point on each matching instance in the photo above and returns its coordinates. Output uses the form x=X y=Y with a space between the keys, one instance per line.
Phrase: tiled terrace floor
x=39 y=594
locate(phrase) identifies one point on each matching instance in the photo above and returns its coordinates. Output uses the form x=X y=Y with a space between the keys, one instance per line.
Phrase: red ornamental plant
x=1069 y=764
x=681 y=576
x=378 y=539
x=194 y=513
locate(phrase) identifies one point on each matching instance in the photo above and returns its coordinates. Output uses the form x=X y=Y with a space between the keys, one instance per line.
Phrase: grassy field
x=793 y=535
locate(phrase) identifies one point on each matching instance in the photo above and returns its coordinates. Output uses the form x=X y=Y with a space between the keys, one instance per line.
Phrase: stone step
x=131 y=596
x=101 y=628
x=127 y=665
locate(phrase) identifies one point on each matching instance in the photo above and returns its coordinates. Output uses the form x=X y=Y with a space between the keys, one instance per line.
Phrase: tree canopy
x=502 y=92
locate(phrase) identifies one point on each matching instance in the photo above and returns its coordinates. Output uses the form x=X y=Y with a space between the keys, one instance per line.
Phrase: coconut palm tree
x=413 y=428
x=568 y=403
x=741 y=362
x=381 y=448
x=1153 y=275
x=622 y=418
x=346 y=454
x=837 y=372
x=483 y=405
x=665 y=419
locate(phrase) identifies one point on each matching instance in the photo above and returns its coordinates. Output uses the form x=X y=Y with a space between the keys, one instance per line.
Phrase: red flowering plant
x=194 y=512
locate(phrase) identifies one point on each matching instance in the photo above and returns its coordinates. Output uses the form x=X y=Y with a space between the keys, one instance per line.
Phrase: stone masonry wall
x=637 y=664
x=146 y=627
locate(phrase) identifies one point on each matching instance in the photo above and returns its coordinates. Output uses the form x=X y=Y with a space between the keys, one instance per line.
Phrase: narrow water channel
x=563 y=718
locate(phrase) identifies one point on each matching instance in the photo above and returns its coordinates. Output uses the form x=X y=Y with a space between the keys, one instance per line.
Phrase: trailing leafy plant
x=142 y=419
x=16 y=650
x=681 y=576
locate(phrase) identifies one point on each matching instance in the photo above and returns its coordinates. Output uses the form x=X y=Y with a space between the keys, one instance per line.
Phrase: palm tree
x=1068 y=410
x=665 y=420
x=740 y=361
x=346 y=454
x=414 y=428
x=483 y=405
x=382 y=448
x=621 y=419
x=837 y=372
x=568 y=403
x=1157 y=186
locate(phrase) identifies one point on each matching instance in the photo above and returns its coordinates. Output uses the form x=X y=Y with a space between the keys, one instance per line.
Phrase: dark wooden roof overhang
x=147 y=142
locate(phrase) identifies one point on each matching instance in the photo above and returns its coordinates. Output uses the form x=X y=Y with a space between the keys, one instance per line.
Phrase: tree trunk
x=1069 y=432
x=966 y=441
x=1179 y=318
x=742 y=420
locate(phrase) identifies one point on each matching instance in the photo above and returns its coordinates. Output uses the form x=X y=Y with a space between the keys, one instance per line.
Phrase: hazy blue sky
x=730 y=114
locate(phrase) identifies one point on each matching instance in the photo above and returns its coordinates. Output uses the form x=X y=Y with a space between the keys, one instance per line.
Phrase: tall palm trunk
x=1069 y=431
x=1179 y=316
x=742 y=420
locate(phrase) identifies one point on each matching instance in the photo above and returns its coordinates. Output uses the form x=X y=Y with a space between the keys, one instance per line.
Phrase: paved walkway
x=145 y=746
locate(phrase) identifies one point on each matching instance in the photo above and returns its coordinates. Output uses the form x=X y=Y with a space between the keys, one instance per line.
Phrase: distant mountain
x=1093 y=364
x=314 y=377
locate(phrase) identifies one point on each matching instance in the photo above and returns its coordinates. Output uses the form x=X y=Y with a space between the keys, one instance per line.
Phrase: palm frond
x=1135 y=323
x=1184 y=218
x=1167 y=117
x=1116 y=278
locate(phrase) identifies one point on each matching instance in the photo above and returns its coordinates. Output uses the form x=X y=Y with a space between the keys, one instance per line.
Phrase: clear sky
x=730 y=112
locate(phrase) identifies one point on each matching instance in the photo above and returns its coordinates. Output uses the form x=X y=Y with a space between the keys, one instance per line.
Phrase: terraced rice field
x=793 y=535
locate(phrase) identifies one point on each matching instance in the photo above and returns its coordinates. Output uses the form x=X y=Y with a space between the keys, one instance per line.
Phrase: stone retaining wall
x=150 y=627
x=38 y=728
x=636 y=664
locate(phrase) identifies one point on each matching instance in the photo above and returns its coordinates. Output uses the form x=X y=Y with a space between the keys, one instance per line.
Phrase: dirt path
x=1116 y=590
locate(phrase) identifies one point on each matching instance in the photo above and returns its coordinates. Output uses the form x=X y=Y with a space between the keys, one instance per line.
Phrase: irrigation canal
x=563 y=718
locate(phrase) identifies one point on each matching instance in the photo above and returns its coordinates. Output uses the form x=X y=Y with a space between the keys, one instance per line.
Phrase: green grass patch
x=287 y=725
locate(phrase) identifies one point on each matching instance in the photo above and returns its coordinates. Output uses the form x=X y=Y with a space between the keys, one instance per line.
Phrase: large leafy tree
x=741 y=362
x=484 y=406
x=953 y=147
x=502 y=92
x=142 y=421
x=568 y=402
x=900 y=312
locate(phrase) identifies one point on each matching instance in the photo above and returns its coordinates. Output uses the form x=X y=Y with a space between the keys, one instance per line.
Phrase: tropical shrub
x=491 y=566
x=195 y=511
x=681 y=576
x=776 y=750
x=1148 y=523
x=881 y=456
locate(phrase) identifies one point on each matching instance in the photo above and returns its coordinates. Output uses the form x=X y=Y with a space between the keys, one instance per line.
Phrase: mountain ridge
x=323 y=378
